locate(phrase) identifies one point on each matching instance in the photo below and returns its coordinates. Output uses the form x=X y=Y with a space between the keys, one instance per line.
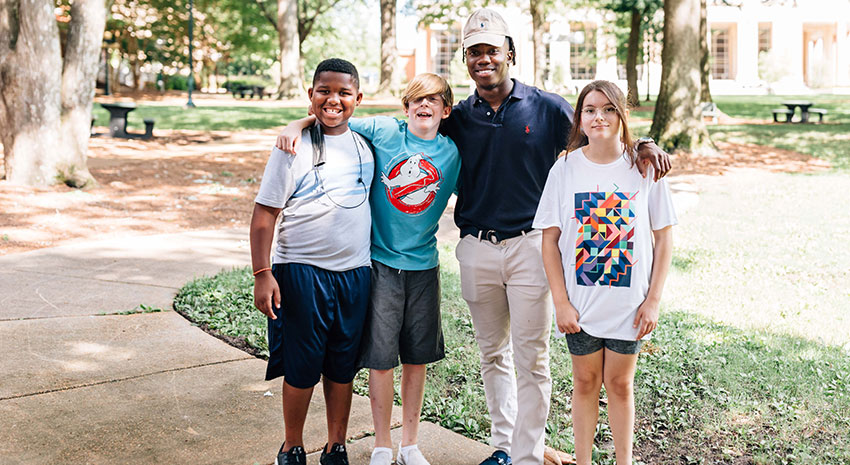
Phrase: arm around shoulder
x=290 y=136
x=648 y=153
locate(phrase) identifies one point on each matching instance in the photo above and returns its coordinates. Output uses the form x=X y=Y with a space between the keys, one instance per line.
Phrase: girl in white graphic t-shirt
x=607 y=245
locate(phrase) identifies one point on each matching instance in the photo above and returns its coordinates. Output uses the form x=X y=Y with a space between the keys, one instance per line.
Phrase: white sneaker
x=412 y=457
x=382 y=456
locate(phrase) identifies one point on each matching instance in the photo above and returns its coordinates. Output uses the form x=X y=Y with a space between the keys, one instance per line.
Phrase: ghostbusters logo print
x=412 y=184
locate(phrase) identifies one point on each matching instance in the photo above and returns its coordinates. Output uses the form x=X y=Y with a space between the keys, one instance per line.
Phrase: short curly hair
x=337 y=65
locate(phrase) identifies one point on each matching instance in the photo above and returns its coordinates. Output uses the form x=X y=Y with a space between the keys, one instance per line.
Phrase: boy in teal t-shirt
x=417 y=170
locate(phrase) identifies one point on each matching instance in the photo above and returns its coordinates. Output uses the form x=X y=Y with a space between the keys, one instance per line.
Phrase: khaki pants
x=505 y=287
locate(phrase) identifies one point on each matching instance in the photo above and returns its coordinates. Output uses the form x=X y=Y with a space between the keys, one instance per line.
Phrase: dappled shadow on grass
x=723 y=395
x=219 y=118
x=827 y=142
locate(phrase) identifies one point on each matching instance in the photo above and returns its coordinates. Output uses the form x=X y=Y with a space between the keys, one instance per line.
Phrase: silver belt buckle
x=491 y=236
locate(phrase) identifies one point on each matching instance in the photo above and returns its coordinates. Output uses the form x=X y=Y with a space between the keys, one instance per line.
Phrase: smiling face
x=333 y=97
x=424 y=115
x=488 y=65
x=599 y=118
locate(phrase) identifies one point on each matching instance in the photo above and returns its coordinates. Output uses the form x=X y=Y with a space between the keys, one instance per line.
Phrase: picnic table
x=242 y=89
x=804 y=109
x=118 y=112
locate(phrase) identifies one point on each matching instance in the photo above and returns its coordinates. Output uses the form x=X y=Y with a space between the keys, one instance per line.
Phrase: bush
x=176 y=82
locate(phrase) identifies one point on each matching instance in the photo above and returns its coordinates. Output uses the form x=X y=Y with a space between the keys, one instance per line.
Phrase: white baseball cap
x=485 y=26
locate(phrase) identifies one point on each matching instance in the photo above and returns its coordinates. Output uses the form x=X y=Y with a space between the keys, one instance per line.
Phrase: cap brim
x=489 y=38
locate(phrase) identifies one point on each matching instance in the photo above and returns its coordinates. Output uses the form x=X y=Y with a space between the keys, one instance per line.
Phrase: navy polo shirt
x=506 y=156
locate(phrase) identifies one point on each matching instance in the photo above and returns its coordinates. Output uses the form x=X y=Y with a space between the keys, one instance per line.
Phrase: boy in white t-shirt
x=320 y=264
x=600 y=218
x=418 y=170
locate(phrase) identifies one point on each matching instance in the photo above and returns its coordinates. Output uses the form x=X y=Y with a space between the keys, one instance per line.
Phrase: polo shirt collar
x=518 y=92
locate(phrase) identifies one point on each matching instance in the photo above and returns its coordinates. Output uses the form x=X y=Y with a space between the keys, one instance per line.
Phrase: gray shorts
x=582 y=343
x=403 y=319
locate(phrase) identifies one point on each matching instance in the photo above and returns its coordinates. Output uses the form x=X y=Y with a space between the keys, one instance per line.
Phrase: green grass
x=224 y=304
x=221 y=118
x=829 y=141
x=706 y=392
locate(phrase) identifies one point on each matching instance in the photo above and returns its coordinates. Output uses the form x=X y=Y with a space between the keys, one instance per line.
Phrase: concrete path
x=86 y=380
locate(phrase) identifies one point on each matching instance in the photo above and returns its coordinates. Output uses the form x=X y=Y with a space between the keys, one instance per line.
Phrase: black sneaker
x=337 y=455
x=294 y=456
x=499 y=457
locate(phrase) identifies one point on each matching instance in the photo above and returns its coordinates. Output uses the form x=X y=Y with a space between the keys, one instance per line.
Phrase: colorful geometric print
x=604 y=246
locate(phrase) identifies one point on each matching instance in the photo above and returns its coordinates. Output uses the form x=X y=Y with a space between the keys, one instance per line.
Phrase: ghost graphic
x=413 y=184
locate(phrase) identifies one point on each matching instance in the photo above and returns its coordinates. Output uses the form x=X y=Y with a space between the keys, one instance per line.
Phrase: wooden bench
x=782 y=111
x=709 y=110
x=820 y=112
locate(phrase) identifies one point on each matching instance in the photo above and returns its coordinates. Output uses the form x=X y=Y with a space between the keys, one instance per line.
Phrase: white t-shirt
x=606 y=214
x=326 y=220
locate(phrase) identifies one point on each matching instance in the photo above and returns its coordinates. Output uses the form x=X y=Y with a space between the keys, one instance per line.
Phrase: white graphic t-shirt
x=326 y=219
x=606 y=214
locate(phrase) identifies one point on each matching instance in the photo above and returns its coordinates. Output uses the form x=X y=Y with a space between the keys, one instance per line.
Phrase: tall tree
x=677 y=123
x=46 y=106
x=537 y=8
x=639 y=14
x=291 y=82
x=294 y=21
x=389 y=54
x=705 y=54
x=79 y=73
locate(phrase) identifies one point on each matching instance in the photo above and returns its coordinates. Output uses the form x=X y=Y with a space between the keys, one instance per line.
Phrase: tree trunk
x=45 y=109
x=537 y=19
x=677 y=123
x=30 y=91
x=85 y=34
x=389 y=54
x=705 y=54
x=632 y=98
x=291 y=82
x=135 y=63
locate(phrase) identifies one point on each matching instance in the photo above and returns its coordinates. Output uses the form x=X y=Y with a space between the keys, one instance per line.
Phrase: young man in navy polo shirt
x=509 y=135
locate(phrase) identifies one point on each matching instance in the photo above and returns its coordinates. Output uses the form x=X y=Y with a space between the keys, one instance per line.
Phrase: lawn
x=212 y=118
x=751 y=361
x=828 y=141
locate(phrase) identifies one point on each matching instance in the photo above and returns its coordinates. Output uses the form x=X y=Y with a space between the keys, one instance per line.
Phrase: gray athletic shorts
x=582 y=343
x=403 y=320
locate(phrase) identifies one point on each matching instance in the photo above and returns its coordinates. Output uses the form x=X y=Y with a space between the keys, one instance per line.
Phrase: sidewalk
x=84 y=381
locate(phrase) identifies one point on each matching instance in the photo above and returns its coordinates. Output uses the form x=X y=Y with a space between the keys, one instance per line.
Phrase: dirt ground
x=184 y=180
x=178 y=181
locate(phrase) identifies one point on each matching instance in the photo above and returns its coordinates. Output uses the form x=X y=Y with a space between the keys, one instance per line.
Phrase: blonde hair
x=615 y=96
x=425 y=84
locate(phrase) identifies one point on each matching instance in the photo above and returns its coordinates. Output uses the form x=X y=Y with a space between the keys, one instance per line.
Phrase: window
x=447 y=44
x=765 y=42
x=720 y=54
x=582 y=51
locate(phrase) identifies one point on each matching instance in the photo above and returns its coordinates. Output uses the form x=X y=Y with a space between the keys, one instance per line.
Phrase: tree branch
x=264 y=10
x=305 y=23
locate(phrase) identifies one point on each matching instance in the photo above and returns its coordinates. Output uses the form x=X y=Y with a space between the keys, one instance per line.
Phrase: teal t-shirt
x=414 y=179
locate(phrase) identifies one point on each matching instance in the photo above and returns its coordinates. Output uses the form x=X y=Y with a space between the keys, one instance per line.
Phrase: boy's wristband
x=261 y=270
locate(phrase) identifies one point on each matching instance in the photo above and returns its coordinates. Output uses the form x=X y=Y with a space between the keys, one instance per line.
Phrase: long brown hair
x=615 y=96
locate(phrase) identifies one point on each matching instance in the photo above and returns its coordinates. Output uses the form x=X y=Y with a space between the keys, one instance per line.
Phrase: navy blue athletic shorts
x=319 y=324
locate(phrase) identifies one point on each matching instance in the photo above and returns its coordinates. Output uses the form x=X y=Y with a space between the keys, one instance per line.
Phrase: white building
x=757 y=46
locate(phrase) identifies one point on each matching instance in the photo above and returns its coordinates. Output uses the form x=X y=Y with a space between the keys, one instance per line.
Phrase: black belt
x=491 y=235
